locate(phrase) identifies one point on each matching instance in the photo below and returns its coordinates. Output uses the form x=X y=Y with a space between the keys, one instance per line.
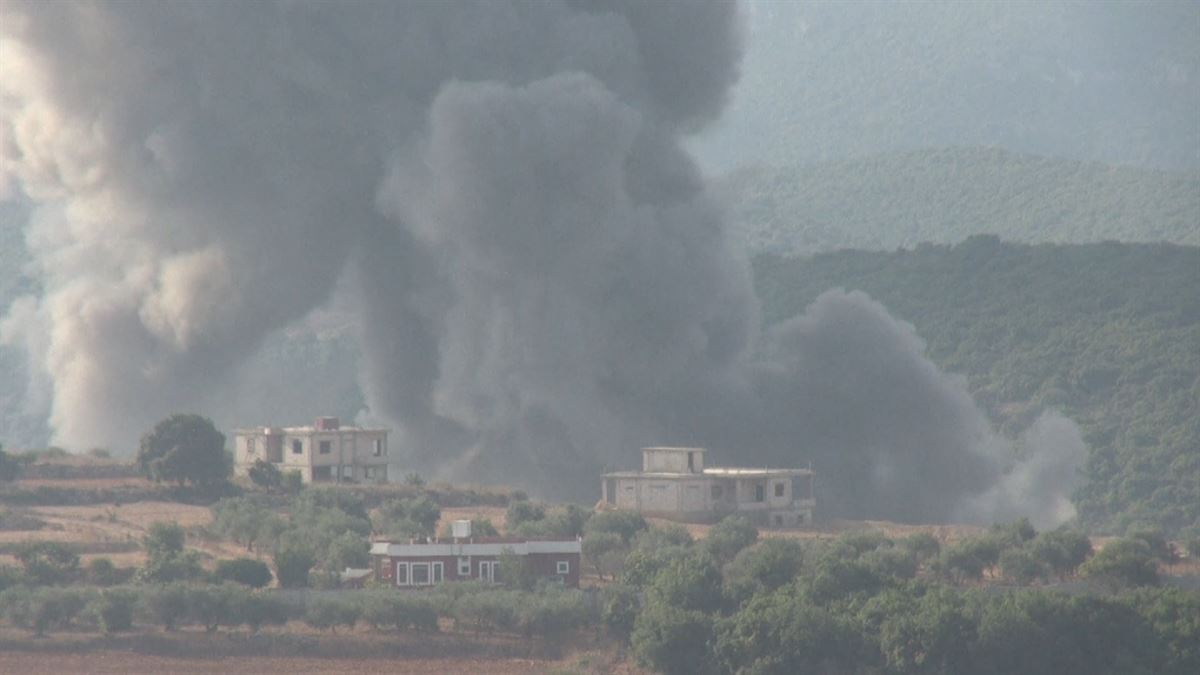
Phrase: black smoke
x=498 y=195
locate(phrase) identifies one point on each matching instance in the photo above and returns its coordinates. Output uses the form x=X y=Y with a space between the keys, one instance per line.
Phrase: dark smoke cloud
x=496 y=191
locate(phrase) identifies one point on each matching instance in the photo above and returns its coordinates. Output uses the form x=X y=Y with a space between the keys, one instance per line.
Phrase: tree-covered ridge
x=946 y=195
x=1107 y=333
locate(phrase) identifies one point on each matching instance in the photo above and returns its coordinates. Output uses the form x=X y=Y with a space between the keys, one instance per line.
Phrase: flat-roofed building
x=675 y=483
x=325 y=452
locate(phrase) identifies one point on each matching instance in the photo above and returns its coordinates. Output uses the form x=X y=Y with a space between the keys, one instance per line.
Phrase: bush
x=258 y=609
x=400 y=612
x=47 y=562
x=245 y=571
x=1021 y=566
x=329 y=613
x=165 y=605
x=627 y=524
x=114 y=608
x=42 y=609
x=265 y=475
x=673 y=640
x=102 y=572
x=523 y=512
x=728 y=537
x=292 y=566
x=1122 y=563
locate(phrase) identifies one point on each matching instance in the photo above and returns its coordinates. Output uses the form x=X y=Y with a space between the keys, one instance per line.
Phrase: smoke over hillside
x=540 y=282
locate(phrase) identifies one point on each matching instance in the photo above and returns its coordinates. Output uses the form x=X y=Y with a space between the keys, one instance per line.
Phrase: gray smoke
x=495 y=191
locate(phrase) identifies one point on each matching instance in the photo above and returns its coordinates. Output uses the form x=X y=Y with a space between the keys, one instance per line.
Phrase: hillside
x=898 y=200
x=1107 y=333
x=1101 y=81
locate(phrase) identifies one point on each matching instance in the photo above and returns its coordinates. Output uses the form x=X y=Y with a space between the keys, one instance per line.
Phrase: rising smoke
x=498 y=192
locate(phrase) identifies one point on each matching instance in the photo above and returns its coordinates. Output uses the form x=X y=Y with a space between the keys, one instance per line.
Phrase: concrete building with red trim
x=417 y=564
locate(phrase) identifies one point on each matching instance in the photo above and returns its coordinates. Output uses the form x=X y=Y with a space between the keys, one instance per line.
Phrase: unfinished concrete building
x=325 y=452
x=674 y=483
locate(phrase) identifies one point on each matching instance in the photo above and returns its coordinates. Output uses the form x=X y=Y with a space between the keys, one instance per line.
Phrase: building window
x=322 y=473
x=326 y=447
x=437 y=572
x=378 y=450
x=420 y=574
x=249 y=446
x=401 y=574
x=779 y=489
x=759 y=493
x=716 y=492
x=488 y=570
x=563 y=567
x=297 y=447
x=348 y=471
x=464 y=567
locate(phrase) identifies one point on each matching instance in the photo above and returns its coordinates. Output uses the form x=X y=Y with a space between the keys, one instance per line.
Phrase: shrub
x=329 y=613
x=102 y=572
x=165 y=605
x=400 y=612
x=1122 y=563
x=523 y=512
x=47 y=562
x=245 y=571
x=42 y=609
x=627 y=524
x=265 y=475
x=258 y=609
x=1021 y=566
x=292 y=566
x=619 y=607
x=114 y=608
x=673 y=640
x=728 y=537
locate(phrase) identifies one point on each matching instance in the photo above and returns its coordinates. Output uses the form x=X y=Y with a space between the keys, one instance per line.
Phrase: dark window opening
x=322 y=473
x=759 y=493
x=297 y=447
x=779 y=489
x=691 y=462
x=326 y=447
x=378 y=447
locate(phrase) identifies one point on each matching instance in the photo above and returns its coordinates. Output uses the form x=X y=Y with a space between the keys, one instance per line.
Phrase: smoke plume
x=496 y=192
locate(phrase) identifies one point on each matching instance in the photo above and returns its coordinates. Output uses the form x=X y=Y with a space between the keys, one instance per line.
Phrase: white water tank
x=461 y=529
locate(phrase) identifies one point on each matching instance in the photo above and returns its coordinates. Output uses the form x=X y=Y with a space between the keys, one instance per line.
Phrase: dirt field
x=32 y=663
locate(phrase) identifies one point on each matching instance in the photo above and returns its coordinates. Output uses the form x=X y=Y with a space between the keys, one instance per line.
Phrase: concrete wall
x=672 y=460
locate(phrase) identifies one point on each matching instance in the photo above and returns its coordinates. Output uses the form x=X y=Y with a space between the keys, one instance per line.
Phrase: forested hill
x=943 y=196
x=1107 y=333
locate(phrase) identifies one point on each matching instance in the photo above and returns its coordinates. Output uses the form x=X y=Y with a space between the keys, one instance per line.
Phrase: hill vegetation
x=946 y=195
x=1109 y=334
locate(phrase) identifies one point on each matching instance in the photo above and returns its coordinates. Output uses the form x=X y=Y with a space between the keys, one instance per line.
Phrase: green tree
x=292 y=567
x=1122 y=563
x=1062 y=550
x=114 y=609
x=627 y=524
x=165 y=604
x=598 y=548
x=673 y=640
x=184 y=448
x=245 y=571
x=728 y=537
x=763 y=567
x=265 y=475
x=166 y=559
x=47 y=562
x=9 y=467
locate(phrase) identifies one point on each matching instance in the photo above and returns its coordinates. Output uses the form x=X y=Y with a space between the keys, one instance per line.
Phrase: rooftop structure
x=430 y=562
x=675 y=483
x=325 y=452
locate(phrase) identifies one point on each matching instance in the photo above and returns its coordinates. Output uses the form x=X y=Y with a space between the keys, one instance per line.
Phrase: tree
x=764 y=567
x=596 y=549
x=265 y=475
x=673 y=640
x=166 y=559
x=522 y=512
x=292 y=566
x=625 y=523
x=730 y=536
x=184 y=448
x=245 y=571
x=1062 y=550
x=47 y=562
x=9 y=467
x=114 y=608
x=165 y=604
x=1122 y=563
